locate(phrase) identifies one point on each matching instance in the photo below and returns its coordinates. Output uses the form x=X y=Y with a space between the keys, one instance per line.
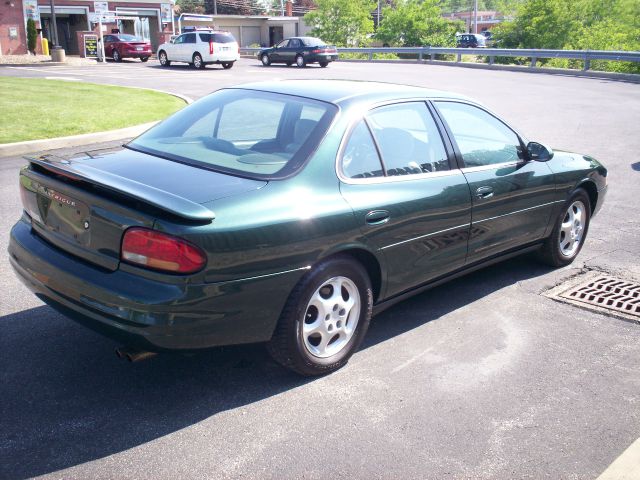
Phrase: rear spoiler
x=165 y=201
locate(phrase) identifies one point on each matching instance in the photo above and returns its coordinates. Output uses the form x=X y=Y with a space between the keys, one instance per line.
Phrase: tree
x=189 y=6
x=342 y=22
x=414 y=23
x=32 y=36
x=575 y=24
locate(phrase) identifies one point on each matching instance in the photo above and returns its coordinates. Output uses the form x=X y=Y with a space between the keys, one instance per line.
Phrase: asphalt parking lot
x=483 y=377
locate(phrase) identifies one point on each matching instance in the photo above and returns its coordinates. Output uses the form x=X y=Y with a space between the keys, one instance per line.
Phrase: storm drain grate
x=607 y=292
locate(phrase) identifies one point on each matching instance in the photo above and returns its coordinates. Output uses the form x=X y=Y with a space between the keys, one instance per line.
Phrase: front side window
x=179 y=39
x=247 y=132
x=408 y=139
x=482 y=139
x=190 y=38
x=282 y=44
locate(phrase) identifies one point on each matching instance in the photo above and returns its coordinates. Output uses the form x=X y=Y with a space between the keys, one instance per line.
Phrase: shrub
x=32 y=36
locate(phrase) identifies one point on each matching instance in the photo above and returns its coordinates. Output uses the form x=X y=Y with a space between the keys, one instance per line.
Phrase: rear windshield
x=217 y=37
x=129 y=38
x=312 y=41
x=245 y=132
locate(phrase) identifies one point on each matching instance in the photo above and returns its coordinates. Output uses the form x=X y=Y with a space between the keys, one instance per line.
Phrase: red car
x=119 y=46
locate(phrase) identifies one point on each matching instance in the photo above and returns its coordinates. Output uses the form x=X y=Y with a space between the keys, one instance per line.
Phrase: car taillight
x=159 y=251
x=319 y=50
x=211 y=48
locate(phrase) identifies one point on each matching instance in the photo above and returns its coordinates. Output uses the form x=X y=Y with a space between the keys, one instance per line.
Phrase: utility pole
x=215 y=7
x=54 y=26
x=475 y=16
x=378 y=17
x=282 y=8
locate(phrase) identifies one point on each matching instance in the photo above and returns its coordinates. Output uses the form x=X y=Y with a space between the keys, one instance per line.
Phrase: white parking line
x=626 y=466
x=66 y=79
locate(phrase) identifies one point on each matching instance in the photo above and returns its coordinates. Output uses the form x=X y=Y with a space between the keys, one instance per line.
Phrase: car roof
x=341 y=92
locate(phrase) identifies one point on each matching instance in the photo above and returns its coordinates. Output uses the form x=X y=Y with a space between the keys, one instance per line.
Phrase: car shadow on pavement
x=67 y=400
x=636 y=166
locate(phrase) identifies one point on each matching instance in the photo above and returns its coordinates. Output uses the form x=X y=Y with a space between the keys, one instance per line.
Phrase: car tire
x=323 y=64
x=319 y=328
x=569 y=231
x=164 y=60
x=300 y=61
x=266 y=61
x=227 y=65
x=197 y=61
x=289 y=64
x=116 y=56
x=144 y=59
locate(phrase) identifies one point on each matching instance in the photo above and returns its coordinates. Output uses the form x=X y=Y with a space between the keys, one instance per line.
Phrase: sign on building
x=31 y=10
x=100 y=7
x=166 y=12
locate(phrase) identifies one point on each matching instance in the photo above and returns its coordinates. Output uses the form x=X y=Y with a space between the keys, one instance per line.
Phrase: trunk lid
x=83 y=206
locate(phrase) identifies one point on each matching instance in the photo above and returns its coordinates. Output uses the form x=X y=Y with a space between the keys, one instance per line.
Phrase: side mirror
x=539 y=152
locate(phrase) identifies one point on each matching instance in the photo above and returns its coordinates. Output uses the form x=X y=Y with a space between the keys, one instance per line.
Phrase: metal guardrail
x=430 y=53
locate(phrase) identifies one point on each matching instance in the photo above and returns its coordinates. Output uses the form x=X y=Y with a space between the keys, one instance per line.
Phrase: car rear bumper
x=220 y=58
x=142 y=54
x=144 y=313
x=321 y=57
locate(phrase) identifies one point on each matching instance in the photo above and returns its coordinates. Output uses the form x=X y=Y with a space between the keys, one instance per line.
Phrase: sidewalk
x=43 y=60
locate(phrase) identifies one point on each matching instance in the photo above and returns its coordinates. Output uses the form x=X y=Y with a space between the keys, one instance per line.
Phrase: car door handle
x=377 y=217
x=484 y=192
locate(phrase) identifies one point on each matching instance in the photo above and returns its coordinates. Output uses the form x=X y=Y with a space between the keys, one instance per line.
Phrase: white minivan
x=200 y=48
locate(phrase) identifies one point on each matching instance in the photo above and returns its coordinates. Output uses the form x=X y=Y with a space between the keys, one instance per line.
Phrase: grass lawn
x=36 y=109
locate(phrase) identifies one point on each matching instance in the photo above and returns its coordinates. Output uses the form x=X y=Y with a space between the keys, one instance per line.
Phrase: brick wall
x=12 y=16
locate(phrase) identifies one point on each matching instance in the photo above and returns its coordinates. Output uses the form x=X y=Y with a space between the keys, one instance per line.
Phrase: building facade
x=487 y=19
x=151 y=20
x=148 y=19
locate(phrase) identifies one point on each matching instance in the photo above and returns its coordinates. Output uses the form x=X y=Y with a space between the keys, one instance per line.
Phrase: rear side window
x=408 y=139
x=360 y=158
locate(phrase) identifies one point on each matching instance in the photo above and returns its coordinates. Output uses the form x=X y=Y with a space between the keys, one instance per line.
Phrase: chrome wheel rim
x=265 y=60
x=163 y=58
x=197 y=61
x=572 y=229
x=331 y=317
x=300 y=61
x=116 y=55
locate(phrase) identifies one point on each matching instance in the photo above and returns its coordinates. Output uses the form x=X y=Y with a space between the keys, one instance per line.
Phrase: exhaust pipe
x=133 y=355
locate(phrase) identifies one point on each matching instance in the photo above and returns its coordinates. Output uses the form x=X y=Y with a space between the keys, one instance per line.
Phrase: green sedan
x=289 y=213
x=299 y=50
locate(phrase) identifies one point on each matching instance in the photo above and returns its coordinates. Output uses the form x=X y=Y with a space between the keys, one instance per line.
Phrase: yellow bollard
x=45 y=46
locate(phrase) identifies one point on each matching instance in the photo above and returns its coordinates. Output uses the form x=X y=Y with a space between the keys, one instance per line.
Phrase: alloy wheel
x=572 y=229
x=331 y=317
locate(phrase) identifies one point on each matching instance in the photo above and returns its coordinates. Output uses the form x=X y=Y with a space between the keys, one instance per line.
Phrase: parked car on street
x=289 y=212
x=200 y=48
x=299 y=50
x=119 y=46
x=471 y=40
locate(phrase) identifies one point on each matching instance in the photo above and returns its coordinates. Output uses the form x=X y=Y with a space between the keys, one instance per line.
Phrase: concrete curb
x=625 y=77
x=30 y=146
x=20 y=148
